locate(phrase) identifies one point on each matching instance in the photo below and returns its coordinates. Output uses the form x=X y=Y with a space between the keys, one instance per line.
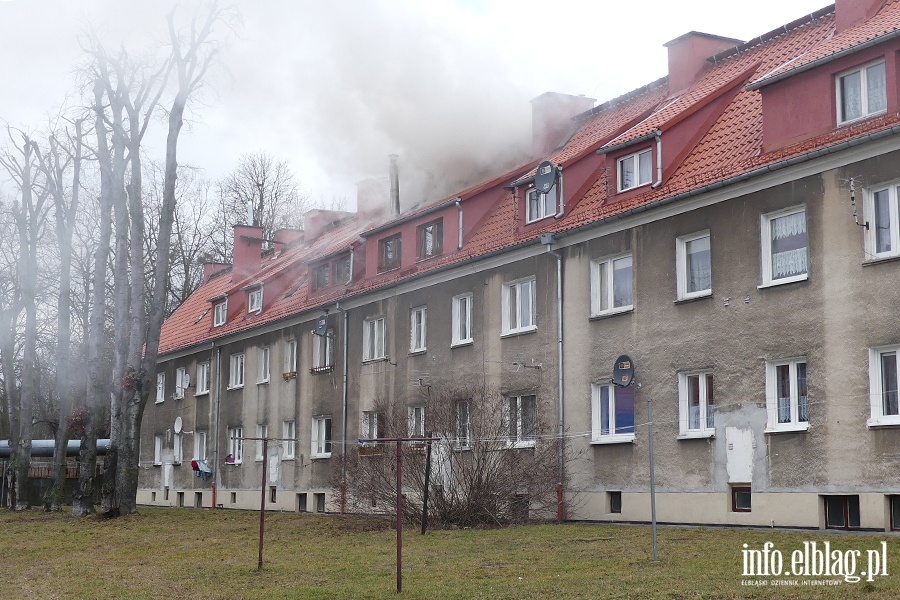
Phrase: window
x=462 y=319
x=220 y=313
x=341 y=269
x=463 y=426
x=263 y=365
x=615 y=502
x=416 y=417
x=861 y=92
x=262 y=431
x=373 y=339
x=177 y=449
x=235 y=445
x=321 y=437
x=787 y=399
x=841 y=512
x=694 y=266
x=539 y=205
x=160 y=387
x=181 y=382
x=157 y=449
x=612 y=414
x=696 y=404
x=323 y=351
x=417 y=318
x=430 y=238
x=784 y=246
x=290 y=356
x=611 y=285
x=883 y=386
x=635 y=170
x=202 y=378
x=520 y=418
x=883 y=215
x=519 y=306
x=289 y=433
x=200 y=445
x=389 y=250
x=320 y=277
x=236 y=373
x=255 y=300
x=740 y=498
x=895 y=512
x=373 y=426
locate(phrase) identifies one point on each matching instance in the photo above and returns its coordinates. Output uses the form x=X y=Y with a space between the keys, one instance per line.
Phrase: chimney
x=687 y=57
x=848 y=13
x=210 y=269
x=551 y=119
x=395 y=186
x=287 y=237
x=247 y=251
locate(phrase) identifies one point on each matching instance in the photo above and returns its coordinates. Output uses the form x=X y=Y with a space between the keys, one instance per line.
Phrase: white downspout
x=215 y=469
x=560 y=512
x=657 y=134
x=350 y=275
x=561 y=198
x=344 y=410
x=459 y=243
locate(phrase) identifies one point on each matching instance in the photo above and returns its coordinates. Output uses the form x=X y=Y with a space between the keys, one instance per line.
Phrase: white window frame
x=461 y=309
x=323 y=349
x=180 y=387
x=416 y=421
x=772 y=399
x=177 y=448
x=372 y=426
x=262 y=431
x=255 y=301
x=374 y=342
x=289 y=433
x=157 y=449
x=263 y=357
x=290 y=356
x=598 y=275
x=463 y=439
x=681 y=265
x=322 y=443
x=202 y=378
x=508 y=327
x=878 y=417
x=635 y=160
x=516 y=437
x=220 y=313
x=544 y=201
x=871 y=235
x=864 y=91
x=236 y=444
x=236 y=371
x=597 y=425
x=768 y=275
x=160 y=387
x=685 y=431
x=200 y=445
x=418 y=324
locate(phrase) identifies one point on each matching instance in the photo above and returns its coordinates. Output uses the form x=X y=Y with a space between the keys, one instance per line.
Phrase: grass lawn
x=188 y=553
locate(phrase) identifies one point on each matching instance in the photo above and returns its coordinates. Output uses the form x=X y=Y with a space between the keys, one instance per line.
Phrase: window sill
x=386 y=269
x=288 y=458
x=784 y=281
x=236 y=463
x=420 y=259
x=235 y=387
x=198 y=394
x=858 y=119
x=375 y=360
x=799 y=428
x=323 y=369
x=883 y=422
x=417 y=352
x=521 y=445
x=877 y=260
x=517 y=332
x=159 y=401
x=694 y=297
x=612 y=313
x=539 y=219
x=266 y=382
x=623 y=439
x=320 y=456
x=178 y=398
x=157 y=464
x=696 y=436
x=633 y=187
x=463 y=343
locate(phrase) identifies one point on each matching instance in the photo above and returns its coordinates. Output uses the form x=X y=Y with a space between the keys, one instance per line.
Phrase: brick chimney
x=247 y=251
x=287 y=237
x=551 y=119
x=848 y=13
x=211 y=268
x=687 y=57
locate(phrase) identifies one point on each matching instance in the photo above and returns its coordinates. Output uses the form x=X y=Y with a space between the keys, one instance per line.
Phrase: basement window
x=741 y=498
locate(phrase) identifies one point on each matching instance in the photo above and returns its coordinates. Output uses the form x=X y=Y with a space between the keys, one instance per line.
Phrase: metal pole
x=399 y=518
x=262 y=502
x=652 y=481
x=427 y=481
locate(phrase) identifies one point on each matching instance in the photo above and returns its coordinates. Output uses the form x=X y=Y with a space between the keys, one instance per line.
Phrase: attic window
x=220 y=313
x=540 y=205
x=861 y=92
x=389 y=252
x=341 y=270
x=635 y=170
x=321 y=277
x=255 y=300
x=430 y=239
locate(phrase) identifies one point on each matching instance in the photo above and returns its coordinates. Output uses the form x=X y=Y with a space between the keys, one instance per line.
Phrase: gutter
x=215 y=470
x=459 y=243
x=560 y=197
x=346 y=328
x=548 y=239
x=659 y=169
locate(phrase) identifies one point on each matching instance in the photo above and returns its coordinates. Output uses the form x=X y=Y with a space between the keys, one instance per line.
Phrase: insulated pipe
x=658 y=135
x=560 y=197
x=350 y=274
x=344 y=412
x=459 y=243
x=45 y=448
x=560 y=512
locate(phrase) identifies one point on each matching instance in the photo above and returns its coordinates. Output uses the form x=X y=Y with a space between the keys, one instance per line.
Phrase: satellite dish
x=177 y=426
x=623 y=371
x=321 y=325
x=545 y=178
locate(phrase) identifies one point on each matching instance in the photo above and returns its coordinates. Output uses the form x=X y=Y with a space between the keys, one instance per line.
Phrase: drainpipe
x=561 y=202
x=350 y=275
x=547 y=239
x=459 y=243
x=215 y=469
x=657 y=135
x=344 y=412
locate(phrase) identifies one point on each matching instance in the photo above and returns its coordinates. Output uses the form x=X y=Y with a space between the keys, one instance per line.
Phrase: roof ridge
x=771 y=35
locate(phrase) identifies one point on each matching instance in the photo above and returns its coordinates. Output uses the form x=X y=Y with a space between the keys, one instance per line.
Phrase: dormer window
x=341 y=270
x=861 y=92
x=320 y=277
x=389 y=252
x=255 y=300
x=220 y=313
x=430 y=239
x=635 y=170
x=539 y=205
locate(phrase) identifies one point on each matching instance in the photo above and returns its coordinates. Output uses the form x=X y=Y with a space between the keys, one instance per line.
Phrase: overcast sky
x=333 y=87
